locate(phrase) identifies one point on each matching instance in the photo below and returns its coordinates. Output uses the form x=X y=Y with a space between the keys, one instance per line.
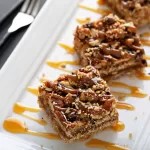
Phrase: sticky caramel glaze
x=135 y=91
x=83 y=21
x=96 y=10
x=120 y=126
x=40 y=121
x=67 y=48
x=121 y=105
x=15 y=125
x=142 y=76
x=95 y=143
x=101 y=2
x=32 y=90
x=58 y=65
x=145 y=42
x=20 y=109
x=145 y=34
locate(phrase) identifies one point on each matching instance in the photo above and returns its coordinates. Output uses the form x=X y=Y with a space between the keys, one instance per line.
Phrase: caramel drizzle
x=145 y=42
x=96 y=10
x=33 y=90
x=20 y=109
x=40 y=121
x=67 y=48
x=135 y=91
x=96 y=143
x=146 y=57
x=121 y=105
x=59 y=65
x=83 y=21
x=15 y=125
x=120 y=126
x=142 y=76
x=145 y=34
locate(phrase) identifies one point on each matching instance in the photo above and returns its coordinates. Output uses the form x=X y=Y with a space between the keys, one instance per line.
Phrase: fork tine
x=29 y=10
x=36 y=8
x=25 y=6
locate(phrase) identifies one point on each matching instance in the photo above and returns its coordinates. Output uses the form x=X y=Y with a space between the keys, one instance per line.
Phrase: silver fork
x=25 y=17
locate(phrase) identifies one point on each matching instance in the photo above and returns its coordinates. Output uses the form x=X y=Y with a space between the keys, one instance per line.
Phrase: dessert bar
x=79 y=104
x=111 y=45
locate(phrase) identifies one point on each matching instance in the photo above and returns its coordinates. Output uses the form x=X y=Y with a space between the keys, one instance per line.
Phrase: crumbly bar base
x=110 y=71
x=129 y=72
x=100 y=125
x=117 y=71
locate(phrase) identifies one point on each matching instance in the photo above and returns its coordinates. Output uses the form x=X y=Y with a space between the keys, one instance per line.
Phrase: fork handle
x=5 y=38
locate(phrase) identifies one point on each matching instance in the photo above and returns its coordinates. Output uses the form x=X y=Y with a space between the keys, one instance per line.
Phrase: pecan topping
x=81 y=96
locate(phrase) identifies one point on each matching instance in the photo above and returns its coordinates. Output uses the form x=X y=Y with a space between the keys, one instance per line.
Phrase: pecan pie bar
x=111 y=45
x=78 y=105
x=137 y=11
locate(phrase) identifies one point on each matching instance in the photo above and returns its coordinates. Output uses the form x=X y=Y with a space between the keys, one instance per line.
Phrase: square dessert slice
x=78 y=105
x=136 y=11
x=110 y=45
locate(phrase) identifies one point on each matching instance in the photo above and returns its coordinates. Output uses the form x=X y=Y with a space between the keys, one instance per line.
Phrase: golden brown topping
x=80 y=96
x=109 y=38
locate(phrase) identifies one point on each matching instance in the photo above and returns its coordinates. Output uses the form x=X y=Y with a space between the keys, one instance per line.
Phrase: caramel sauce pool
x=15 y=125
x=59 y=64
x=145 y=42
x=69 y=49
x=95 y=143
x=121 y=105
x=120 y=126
x=32 y=90
x=20 y=109
x=96 y=10
x=142 y=76
x=135 y=91
x=83 y=21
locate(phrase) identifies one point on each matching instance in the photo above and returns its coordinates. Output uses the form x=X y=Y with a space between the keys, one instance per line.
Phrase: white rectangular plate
x=56 y=22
